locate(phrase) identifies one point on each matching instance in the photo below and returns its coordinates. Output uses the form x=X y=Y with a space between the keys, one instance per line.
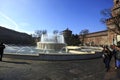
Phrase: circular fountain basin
x=31 y=53
x=50 y=46
x=55 y=56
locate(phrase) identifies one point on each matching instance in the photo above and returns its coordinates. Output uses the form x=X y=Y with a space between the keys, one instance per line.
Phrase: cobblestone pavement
x=16 y=69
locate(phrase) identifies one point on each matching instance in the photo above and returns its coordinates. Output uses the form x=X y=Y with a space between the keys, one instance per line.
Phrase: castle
x=110 y=36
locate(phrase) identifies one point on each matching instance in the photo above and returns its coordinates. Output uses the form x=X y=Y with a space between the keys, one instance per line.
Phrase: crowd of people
x=108 y=53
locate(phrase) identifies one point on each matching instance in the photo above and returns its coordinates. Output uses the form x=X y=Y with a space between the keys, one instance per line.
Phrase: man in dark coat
x=106 y=57
x=2 y=47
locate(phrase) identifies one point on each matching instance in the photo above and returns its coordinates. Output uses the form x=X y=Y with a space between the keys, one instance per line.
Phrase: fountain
x=52 y=48
x=74 y=53
x=54 y=43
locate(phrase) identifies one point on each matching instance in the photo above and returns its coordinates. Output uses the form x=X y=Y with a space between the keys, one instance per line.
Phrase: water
x=52 y=39
x=25 y=49
x=63 y=50
x=12 y=49
x=48 y=42
x=45 y=50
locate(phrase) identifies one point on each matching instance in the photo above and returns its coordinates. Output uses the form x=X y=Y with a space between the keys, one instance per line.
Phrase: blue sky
x=30 y=15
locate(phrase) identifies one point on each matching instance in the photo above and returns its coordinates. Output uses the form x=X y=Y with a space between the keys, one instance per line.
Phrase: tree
x=38 y=33
x=44 y=32
x=83 y=33
x=111 y=18
x=107 y=14
x=55 y=32
x=75 y=40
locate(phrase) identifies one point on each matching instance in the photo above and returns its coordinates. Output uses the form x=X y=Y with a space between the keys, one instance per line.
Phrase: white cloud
x=24 y=24
x=8 y=22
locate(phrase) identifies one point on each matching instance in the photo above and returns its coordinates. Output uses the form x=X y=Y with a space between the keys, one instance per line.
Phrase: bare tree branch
x=109 y=19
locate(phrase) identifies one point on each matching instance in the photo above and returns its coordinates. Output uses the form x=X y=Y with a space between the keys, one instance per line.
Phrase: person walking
x=118 y=57
x=114 y=51
x=2 y=47
x=107 y=55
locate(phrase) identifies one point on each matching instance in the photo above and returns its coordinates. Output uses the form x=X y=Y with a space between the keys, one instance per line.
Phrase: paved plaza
x=20 y=69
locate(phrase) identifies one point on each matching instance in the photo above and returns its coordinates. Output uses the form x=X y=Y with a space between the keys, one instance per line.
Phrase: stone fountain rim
x=55 y=57
x=52 y=42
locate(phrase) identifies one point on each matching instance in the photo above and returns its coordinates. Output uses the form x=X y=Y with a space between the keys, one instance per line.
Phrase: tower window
x=117 y=1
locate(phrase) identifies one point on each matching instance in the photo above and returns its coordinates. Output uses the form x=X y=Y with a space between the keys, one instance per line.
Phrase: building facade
x=114 y=22
x=96 y=38
x=110 y=36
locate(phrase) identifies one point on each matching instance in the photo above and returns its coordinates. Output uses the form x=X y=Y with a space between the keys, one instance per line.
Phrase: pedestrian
x=114 y=51
x=2 y=47
x=107 y=55
x=118 y=57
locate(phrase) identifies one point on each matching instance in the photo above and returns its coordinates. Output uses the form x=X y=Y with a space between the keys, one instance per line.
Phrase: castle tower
x=116 y=1
x=115 y=13
x=116 y=8
x=113 y=23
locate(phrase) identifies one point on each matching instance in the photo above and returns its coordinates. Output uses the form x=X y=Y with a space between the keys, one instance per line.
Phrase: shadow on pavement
x=16 y=62
x=118 y=73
